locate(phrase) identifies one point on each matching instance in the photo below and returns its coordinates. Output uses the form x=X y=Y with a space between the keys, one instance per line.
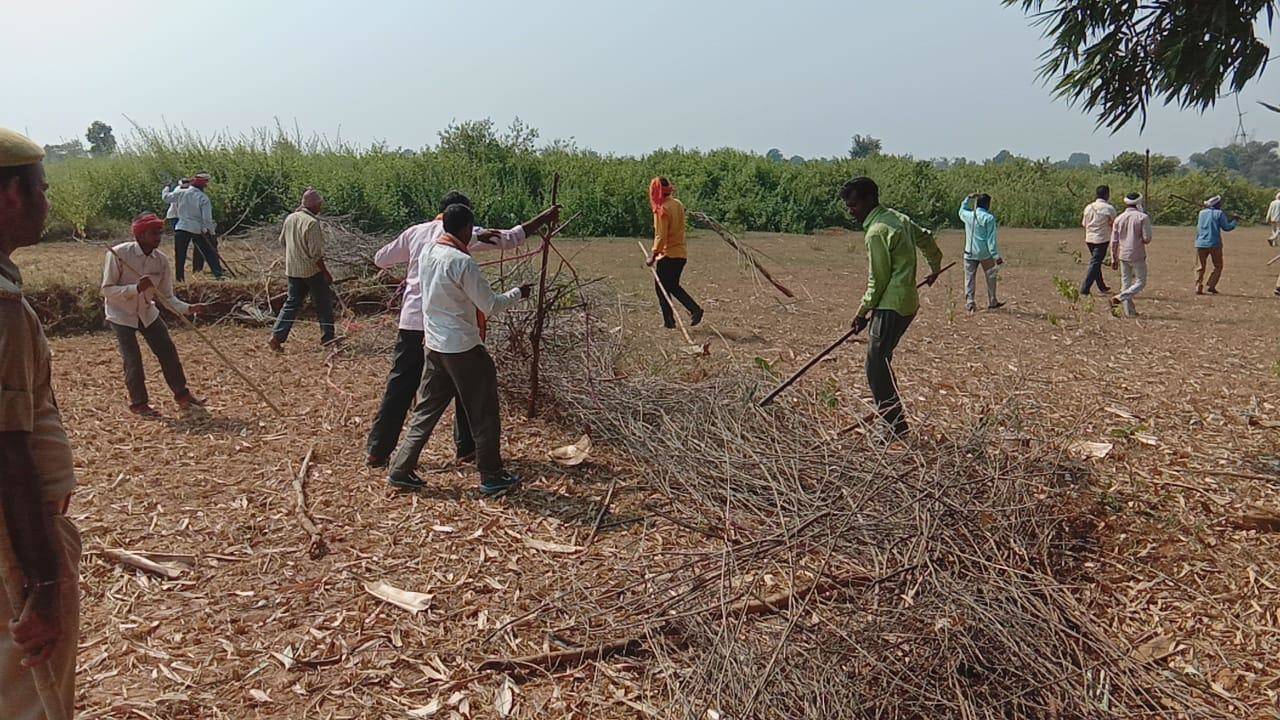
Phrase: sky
x=931 y=78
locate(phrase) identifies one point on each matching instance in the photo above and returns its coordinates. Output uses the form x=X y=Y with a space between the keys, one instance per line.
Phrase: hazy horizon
x=944 y=80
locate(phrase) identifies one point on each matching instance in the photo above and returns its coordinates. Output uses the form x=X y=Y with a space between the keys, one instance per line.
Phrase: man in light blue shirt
x=980 y=249
x=1209 y=228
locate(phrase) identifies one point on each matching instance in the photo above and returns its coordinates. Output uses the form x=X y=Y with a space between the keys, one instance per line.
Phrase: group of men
x=1124 y=236
x=191 y=213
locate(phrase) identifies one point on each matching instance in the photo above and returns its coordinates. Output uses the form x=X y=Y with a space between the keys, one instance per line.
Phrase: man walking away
x=456 y=305
x=37 y=472
x=980 y=249
x=1273 y=217
x=410 y=357
x=1098 y=218
x=303 y=239
x=1129 y=239
x=1209 y=228
x=135 y=272
x=670 y=252
x=167 y=195
x=891 y=300
x=195 y=225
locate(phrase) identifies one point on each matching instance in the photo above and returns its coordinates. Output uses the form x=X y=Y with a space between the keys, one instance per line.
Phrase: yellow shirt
x=668 y=230
x=303 y=239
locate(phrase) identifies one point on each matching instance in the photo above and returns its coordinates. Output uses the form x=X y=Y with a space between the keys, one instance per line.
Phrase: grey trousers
x=1133 y=280
x=970 y=273
x=471 y=378
x=887 y=328
x=157 y=336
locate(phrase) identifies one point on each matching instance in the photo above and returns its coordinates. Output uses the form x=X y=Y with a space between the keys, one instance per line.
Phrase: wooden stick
x=145 y=564
x=738 y=245
x=14 y=582
x=317 y=547
x=604 y=508
x=654 y=271
x=536 y=339
x=164 y=302
x=1272 y=260
x=826 y=351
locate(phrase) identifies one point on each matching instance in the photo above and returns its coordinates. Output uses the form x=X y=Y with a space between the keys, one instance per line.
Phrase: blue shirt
x=1210 y=226
x=979 y=233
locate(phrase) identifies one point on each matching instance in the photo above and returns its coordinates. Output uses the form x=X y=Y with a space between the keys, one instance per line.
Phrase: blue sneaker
x=499 y=484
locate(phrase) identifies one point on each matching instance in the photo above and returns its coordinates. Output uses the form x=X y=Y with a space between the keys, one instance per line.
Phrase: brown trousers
x=1203 y=255
x=18 y=697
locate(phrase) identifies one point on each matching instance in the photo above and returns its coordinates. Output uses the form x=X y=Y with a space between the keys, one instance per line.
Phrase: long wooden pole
x=164 y=302
x=825 y=352
x=1146 y=182
x=540 y=317
x=13 y=582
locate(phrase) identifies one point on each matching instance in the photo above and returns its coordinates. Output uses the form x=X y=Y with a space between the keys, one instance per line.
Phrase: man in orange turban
x=670 y=253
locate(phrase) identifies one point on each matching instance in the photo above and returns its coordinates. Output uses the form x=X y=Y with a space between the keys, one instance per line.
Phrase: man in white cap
x=168 y=195
x=1209 y=228
x=37 y=474
x=303 y=239
x=1130 y=235
x=195 y=225
x=1273 y=217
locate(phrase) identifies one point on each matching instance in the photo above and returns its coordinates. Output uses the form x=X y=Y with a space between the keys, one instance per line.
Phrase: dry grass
x=1186 y=394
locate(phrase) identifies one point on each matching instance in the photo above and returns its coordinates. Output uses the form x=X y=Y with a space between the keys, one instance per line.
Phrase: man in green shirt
x=891 y=300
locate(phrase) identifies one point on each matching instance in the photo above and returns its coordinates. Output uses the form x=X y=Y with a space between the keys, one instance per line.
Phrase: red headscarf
x=658 y=194
x=145 y=222
x=200 y=179
x=448 y=240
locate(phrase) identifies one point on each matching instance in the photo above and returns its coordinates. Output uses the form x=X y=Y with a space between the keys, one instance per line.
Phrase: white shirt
x=453 y=288
x=406 y=248
x=123 y=303
x=167 y=195
x=1098 y=217
x=192 y=208
x=1273 y=211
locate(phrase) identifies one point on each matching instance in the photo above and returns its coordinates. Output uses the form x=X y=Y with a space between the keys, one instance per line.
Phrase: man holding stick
x=980 y=249
x=891 y=300
x=410 y=357
x=1129 y=239
x=40 y=608
x=456 y=304
x=134 y=273
x=195 y=225
x=1210 y=225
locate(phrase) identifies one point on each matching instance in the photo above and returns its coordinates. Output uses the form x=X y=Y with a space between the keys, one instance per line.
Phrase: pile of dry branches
x=833 y=577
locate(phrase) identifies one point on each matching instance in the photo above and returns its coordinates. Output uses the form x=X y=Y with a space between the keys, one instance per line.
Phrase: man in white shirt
x=1099 y=216
x=410 y=358
x=134 y=274
x=456 y=303
x=1273 y=217
x=195 y=225
x=171 y=216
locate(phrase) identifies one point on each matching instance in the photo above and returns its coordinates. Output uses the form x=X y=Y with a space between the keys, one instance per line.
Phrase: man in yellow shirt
x=670 y=252
x=303 y=240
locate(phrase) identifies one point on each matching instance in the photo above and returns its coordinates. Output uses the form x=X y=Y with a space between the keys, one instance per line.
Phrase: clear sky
x=932 y=78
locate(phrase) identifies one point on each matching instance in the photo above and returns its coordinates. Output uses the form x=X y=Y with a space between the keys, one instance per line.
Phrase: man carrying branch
x=40 y=631
x=891 y=300
x=134 y=273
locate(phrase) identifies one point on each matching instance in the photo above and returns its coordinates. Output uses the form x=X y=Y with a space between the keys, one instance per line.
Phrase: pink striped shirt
x=1130 y=235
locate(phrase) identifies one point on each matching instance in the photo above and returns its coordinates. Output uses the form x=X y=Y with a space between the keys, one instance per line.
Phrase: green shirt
x=892 y=239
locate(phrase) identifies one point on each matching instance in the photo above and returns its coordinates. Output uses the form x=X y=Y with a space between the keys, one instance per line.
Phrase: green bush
x=258 y=178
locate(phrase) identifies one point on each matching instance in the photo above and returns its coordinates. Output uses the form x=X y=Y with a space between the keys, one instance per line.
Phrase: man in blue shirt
x=1209 y=228
x=980 y=228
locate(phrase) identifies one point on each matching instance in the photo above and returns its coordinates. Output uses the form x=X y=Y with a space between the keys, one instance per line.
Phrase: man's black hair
x=458 y=217
x=663 y=181
x=861 y=187
x=26 y=176
x=453 y=197
x=984 y=202
x=1104 y=192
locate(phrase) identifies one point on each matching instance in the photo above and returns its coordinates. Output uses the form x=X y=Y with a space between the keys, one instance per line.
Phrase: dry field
x=1186 y=395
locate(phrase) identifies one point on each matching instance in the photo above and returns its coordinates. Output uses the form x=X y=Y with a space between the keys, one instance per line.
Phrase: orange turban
x=658 y=194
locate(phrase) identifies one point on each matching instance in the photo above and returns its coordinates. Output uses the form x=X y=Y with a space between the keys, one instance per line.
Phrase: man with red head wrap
x=135 y=272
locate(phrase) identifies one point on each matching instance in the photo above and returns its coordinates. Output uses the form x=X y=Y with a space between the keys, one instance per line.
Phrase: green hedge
x=260 y=178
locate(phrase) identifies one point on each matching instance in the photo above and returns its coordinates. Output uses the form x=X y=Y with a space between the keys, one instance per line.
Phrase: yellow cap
x=17 y=149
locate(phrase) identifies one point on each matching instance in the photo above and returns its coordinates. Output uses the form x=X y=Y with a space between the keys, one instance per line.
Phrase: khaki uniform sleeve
x=17 y=368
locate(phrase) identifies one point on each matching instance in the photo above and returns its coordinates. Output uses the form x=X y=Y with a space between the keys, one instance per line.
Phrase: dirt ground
x=1185 y=395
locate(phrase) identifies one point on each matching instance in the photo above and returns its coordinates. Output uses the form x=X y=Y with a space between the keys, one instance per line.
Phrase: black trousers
x=887 y=329
x=472 y=379
x=206 y=251
x=669 y=272
x=1097 y=256
x=317 y=286
x=402 y=387
x=157 y=336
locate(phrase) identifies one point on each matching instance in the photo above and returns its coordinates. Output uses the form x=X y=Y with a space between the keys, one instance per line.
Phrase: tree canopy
x=1113 y=57
x=865 y=146
x=102 y=141
x=1256 y=161
x=1131 y=162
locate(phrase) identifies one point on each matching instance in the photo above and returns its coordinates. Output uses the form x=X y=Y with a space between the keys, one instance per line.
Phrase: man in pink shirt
x=1130 y=235
x=410 y=358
